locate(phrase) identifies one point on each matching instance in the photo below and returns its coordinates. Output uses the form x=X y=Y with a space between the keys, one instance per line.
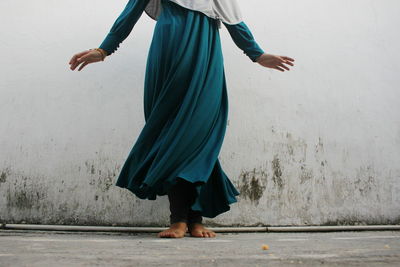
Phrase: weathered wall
x=317 y=145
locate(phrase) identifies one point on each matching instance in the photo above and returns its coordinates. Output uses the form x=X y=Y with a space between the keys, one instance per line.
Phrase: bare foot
x=176 y=230
x=198 y=230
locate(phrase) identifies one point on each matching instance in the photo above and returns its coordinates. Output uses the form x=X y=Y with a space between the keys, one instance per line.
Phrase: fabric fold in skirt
x=186 y=108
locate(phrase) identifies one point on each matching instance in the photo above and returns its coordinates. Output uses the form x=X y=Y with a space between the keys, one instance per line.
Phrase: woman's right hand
x=84 y=58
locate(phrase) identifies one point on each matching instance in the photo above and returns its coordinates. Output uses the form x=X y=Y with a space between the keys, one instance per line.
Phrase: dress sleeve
x=123 y=26
x=243 y=38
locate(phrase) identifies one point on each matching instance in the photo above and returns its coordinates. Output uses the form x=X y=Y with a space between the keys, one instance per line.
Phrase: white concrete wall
x=317 y=145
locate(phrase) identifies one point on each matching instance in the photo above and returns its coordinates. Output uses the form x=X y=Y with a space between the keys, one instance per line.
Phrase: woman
x=185 y=106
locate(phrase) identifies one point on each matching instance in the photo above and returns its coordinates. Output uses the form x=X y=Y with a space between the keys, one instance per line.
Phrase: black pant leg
x=179 y=204
x=181 y=198
x=194 y=216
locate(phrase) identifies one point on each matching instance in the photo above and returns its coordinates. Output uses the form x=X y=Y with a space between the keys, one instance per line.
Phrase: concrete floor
x=57 y=248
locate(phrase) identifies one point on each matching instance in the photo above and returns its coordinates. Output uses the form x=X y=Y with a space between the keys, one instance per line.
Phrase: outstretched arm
x=123 y=26
x=120 y=30
x=244 y=39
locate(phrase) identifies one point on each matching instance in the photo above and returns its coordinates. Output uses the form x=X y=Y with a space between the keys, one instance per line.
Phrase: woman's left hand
x=275 y=62
x=84 y=58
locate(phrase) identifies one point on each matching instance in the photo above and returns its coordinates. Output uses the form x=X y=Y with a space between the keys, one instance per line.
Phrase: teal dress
x=185 y=105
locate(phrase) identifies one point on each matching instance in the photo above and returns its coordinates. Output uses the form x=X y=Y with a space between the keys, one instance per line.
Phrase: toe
x=164 y=234
x=197 y=234
x=174 y=234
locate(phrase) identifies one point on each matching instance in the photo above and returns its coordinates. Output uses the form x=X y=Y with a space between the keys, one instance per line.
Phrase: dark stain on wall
x=319 y=147
x=90 y=167
x=305 y=174
x=365 y=181
x=106 y=181
x=3 y=175
x=251 y=185
x=277 y=172
x=20 y=199
x=25 y=195
x=102 y=179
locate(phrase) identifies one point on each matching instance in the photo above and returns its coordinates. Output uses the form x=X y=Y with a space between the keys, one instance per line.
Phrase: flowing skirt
x=185 y=108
